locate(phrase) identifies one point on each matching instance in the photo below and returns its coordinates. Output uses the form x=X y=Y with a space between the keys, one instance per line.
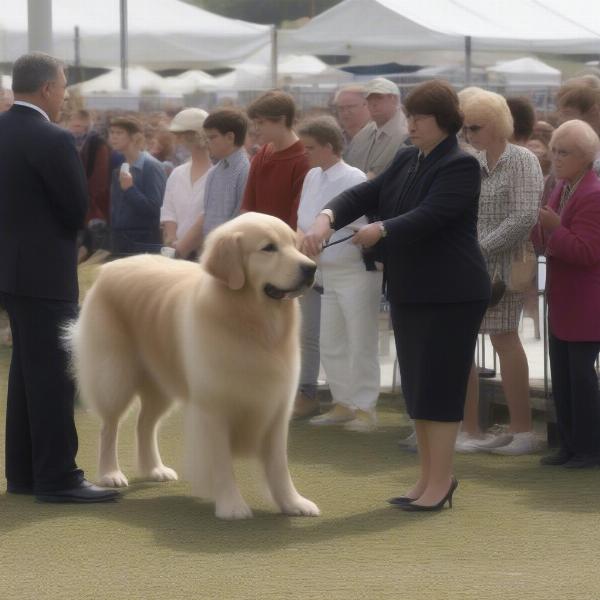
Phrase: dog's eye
x=269 y=248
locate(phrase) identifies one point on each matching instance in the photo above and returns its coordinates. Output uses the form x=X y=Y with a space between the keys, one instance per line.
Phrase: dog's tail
x=69 y=338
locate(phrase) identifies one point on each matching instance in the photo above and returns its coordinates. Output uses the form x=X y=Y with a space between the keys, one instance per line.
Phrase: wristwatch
x=383 y=229
x=329 y=214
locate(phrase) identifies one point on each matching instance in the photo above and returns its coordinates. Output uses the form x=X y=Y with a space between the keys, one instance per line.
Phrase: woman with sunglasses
x=511 y=188
x=437 y=282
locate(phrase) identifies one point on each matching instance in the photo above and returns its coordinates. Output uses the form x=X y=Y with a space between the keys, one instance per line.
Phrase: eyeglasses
x=561 y=152
x=347 y=107
x=472 y=128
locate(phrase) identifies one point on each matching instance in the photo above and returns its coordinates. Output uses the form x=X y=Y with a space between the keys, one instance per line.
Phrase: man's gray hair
x=352 y=88
x=31 y=71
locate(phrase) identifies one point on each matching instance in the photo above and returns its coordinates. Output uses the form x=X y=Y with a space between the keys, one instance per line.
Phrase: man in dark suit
x=42 y=205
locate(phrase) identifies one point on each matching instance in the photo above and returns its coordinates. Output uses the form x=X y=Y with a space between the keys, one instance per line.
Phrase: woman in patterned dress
x=511 y=187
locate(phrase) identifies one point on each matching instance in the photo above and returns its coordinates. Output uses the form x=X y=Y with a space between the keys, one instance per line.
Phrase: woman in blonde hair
x=511 y=187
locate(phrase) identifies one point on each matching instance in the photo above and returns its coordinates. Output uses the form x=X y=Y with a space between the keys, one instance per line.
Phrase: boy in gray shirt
x=226 y=133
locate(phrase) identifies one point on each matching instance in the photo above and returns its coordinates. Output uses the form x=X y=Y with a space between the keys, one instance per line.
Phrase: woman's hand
x=549 y=220
x=368 y=235
x=320 y=231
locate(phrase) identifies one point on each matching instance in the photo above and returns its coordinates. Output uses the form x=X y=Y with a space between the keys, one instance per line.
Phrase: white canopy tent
x=190 y=82
x=527 y=71
x=140 y=80
x=292 y=70
x=393 y=27
x=162 y=33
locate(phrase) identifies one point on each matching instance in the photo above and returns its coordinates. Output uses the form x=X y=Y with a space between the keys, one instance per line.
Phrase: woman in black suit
x=437 y=282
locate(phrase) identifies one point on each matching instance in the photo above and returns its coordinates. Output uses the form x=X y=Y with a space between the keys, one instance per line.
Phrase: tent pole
x=77 y=39
x=39 y=26
x=274 y=56
x=124 y=48
x=467 y=60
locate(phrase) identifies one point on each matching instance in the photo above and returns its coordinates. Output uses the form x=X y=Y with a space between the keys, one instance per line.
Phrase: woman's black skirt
x=436 y=348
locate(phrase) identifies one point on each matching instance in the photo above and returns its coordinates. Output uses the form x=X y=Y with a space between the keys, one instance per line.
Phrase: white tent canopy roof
x=189 y=82
x=162 y=33
x=397 y=25
x=140 y=80
x=528 y=71
x=292 y=69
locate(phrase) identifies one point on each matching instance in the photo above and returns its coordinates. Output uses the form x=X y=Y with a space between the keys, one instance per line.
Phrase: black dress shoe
x=558 y=458
x=582 y=461
x=19 y=488
x=401 y=500
x=85 y=492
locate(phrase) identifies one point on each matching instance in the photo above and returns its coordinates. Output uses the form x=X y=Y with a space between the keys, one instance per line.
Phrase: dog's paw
x=300 y=507
x=230 y=511
x=161 y=473
x=113 y=479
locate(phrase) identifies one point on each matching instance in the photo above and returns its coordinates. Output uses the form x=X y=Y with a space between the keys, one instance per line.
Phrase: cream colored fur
x=207 y=335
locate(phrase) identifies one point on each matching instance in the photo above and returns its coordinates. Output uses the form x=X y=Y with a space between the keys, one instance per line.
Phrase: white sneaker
x=490 y=441
x=363 y=422
x=409 y=442
x=338 y=414
x=467 y=444
x=522 y=443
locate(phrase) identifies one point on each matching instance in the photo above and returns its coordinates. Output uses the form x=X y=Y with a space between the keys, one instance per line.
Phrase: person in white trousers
x=351 y=293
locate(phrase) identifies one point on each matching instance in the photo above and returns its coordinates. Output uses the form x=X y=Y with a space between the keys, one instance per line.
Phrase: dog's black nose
x=308 y=270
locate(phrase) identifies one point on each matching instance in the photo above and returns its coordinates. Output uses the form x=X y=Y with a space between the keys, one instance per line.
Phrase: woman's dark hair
x=439 y=99
x=523 y=115
x=227 y=120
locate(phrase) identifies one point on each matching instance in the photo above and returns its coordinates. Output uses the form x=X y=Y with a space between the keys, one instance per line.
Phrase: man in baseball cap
x=374 y=147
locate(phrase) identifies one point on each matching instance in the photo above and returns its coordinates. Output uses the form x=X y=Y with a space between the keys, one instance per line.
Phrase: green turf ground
x=517 y=530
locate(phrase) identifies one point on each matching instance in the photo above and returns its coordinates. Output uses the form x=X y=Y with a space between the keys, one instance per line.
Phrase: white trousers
x=349 y=334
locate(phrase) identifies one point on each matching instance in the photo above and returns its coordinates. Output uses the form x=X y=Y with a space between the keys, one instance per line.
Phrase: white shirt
x=183 y=202
x=318 y=189
x=29 y=105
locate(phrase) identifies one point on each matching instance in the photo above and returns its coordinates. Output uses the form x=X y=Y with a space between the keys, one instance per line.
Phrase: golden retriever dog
x=221 y=336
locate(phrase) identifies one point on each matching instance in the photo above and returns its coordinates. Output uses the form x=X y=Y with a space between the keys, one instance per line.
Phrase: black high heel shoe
x=401 y=500
x=447 y=498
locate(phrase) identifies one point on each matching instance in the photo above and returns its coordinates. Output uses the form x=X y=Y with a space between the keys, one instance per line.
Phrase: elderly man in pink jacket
x=569 y=232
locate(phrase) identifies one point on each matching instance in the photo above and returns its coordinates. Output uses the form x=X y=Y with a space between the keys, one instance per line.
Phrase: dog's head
x=259 y=251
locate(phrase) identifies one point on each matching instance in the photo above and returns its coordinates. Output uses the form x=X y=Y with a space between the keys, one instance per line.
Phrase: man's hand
x=126 y=180
x=549 y=220
x=320 y=231
x=368 y=235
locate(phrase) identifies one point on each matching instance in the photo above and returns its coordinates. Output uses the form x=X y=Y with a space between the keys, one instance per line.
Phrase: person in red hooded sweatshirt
x=278 y=168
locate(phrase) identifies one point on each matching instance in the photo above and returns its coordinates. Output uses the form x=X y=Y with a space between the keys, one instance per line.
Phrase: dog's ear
x=224 y=260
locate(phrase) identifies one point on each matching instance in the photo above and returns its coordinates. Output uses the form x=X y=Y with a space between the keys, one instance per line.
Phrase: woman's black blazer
x=429 y=208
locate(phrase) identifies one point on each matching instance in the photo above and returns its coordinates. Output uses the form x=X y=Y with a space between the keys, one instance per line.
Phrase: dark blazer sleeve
x=362 y=199
x=64 y=179
x=453 y=191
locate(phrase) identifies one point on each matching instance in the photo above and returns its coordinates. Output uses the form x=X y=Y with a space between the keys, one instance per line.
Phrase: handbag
x=522 y=269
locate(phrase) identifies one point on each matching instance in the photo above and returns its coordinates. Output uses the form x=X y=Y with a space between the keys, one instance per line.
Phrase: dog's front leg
x=214 y=470
x=274 y=456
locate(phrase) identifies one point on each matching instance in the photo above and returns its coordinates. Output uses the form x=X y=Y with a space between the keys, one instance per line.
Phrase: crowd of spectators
x=162 y=180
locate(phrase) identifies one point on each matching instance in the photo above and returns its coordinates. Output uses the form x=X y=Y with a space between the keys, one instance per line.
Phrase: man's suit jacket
x=374 y=154
x=43 y=203
x=429 y=209
x=573 y=263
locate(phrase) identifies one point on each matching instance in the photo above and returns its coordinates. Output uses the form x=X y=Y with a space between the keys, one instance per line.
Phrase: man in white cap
x=183 y=203
x=374 y=147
